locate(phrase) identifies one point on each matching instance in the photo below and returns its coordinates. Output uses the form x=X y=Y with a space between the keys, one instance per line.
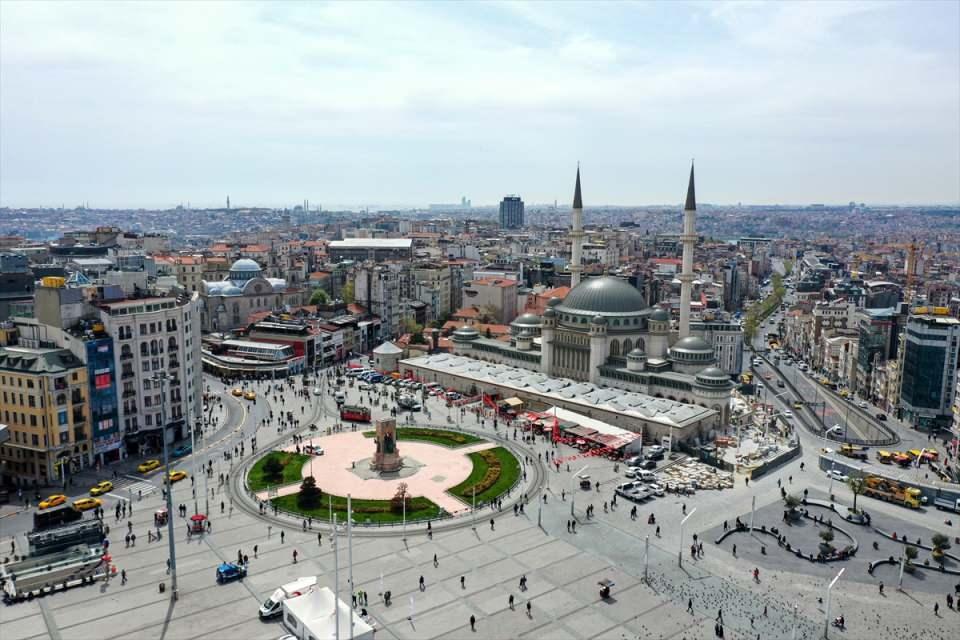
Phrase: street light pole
x=160 y=377
x=573 y=489
x=683 y=522
x=826 y=628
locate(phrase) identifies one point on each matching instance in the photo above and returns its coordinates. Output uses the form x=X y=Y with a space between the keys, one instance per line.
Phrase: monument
x=387 y=457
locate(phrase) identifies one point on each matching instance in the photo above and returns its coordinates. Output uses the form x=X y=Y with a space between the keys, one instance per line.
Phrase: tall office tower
x=576 y=235
x=929 y=376
x=511 y=212
x=688 y=238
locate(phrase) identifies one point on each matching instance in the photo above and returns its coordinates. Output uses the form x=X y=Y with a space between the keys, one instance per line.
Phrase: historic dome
x=660 y=315
x=636 y=354
x=598 y=320
x=465 y=333
x=527 y=320
x=605 y=295
x=554 y=301
x=692 y=350
x=244 y=269
x=713 y=377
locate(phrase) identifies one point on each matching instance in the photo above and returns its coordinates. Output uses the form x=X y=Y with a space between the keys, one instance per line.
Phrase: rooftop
x=373 y=243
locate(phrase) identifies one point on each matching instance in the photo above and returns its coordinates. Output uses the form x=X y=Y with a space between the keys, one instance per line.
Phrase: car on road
x=316 y=391
x=863 y=404
x=313 y=450
x=177 y=476
x=101 y=488
x=229 y=571
x=84 y=504
x=788 y=414
x=237 y=392
x=835 y=430
x=644 y=467
x=635 y=491
x=53 y=501
x=655 y=455
x=148 y=465
x=655 y=489
x=250 y=395
x=837 y=475
x=798 y=405
x=182 y=450
x=882 y=417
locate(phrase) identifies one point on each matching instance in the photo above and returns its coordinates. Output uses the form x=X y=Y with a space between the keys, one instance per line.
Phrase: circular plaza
x=391 y=474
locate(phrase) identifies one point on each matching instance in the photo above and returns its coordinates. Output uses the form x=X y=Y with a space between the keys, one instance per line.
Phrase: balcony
x=126 y=375
x=173 y=364
x=126 y=355
x=129 y=393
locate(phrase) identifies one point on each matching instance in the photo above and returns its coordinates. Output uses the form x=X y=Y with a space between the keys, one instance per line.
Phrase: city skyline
x=349 y=105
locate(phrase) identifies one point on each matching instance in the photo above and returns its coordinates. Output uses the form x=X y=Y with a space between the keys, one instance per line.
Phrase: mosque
x=225 y=304
x=604 y=333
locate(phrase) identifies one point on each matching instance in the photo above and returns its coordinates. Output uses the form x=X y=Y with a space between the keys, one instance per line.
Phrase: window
x=62 y=417
x=33 y=421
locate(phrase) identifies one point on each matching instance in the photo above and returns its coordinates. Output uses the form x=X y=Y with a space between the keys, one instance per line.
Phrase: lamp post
x=826 y=628
x=161 y=377
x=683 y=522
x=573 y=488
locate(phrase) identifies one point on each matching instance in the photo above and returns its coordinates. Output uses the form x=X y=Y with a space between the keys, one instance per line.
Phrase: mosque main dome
x=604 y=295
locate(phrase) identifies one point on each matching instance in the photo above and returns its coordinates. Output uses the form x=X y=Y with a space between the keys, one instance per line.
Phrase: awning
x=583 y=432
x=513 y=402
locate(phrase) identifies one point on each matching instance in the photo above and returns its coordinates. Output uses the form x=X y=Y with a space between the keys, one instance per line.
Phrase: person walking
x=294 y=556
x=881 y=587
x=491 y=524
x=436 y=563
x=473 y=622
x=529 y=615
x=123 y=576
x=463 y=582
x=690 y=605
x=510 y=602
x=282 y=535
x=423 y=586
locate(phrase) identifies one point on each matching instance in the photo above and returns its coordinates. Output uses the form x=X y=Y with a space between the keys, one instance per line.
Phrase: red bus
x=354 y=414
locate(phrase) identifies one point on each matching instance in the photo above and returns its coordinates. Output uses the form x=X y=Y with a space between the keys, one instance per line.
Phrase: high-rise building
x=511 y=212
x=929 y=377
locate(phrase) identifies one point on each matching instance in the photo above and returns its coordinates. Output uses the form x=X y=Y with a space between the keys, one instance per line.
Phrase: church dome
x=605 y=295
x=527 y=320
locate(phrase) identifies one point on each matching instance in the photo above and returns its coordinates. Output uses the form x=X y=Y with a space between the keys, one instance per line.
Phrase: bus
x=354 y=413
x=55 y=517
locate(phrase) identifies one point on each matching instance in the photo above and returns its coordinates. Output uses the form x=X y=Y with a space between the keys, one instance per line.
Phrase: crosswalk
x=126 y=486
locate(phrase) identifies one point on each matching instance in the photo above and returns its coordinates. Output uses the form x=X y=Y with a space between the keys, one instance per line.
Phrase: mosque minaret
x=689 y=239
x=576 y=235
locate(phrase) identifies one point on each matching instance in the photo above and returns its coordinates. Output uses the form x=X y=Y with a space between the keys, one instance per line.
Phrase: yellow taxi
x=250 y=395
x=148 y=465
x=84 y=504
x=53 y=501
x=237 y=392
x=101 y=488
x=798 y=405
x=177 y=476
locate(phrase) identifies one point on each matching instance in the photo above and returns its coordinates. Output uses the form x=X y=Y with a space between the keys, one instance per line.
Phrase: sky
x=404 y=104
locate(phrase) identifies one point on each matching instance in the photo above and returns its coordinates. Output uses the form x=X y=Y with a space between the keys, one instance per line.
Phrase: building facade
x=929 y=376
x=511 y=212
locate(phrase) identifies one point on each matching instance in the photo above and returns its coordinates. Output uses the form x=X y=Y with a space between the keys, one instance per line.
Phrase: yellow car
x=237 y=392
x=177 y=476
x=250 y=395
x=798 y=405
x=101 y=488
x=148 y=466
x=84 y=504
x=53 y=501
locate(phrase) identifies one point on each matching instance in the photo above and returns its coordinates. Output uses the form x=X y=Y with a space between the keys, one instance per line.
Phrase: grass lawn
x=292 y=466
x=494 y=471
x=450 y=439
x=363 y=510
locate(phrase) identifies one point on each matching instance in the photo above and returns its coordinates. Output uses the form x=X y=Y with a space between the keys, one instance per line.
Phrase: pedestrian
x=734 y=551
x=529 y=615
x=658 y=531
x=523 y=582
x=319 y=539
x=764 y=611
x=423 y=586
x=473 y=623
x=463 y=582
x=283 y=534
x=510 y=602
x=720 y=615
x=294 y=556
x=127 y=540
x=881 y=588
x=936 y=608
x=690 y=605
x=255 y=548
x=435 y=562
x=491 y=524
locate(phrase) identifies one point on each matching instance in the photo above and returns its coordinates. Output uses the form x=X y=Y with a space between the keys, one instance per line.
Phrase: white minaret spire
x=689 y=238
x=576 y=235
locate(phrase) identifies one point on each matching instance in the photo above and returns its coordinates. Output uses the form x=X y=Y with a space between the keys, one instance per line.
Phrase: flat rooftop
x=372 y=243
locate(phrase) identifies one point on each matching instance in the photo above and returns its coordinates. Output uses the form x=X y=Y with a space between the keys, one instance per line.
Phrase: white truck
x=274 y=604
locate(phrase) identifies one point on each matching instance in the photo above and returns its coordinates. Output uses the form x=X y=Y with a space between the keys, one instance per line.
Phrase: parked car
x=837 y=475
x=654 y=455
x=366 y=386
x=182 y=450
x=655 y=489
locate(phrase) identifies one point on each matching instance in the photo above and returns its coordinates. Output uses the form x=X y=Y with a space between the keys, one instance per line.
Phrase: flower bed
x=292 y=463
x=494 y=471
x=364 y=511
x=442 y=437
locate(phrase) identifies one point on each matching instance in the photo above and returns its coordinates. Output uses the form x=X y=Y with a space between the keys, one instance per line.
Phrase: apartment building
x=381 y=289
x=46 y=409
x=497 y=295
x=929 y=378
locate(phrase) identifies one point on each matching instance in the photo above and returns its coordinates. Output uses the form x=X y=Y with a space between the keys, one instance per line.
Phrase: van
x=645 y=476
x=273 y=606
x=340 y=397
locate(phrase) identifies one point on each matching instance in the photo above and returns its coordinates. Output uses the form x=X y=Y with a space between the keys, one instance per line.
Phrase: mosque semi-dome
x=604 y=295
x=527 y=320
x=713 y=377
x=660 y=315
x=465 y=333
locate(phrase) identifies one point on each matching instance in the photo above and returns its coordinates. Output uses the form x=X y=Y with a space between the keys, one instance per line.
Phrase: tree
x=400 y=498
x=827 y=536
x=273 y=468
x=940 y=542
x=857 y=485
x=310 y=493
x=792 y=501
x=417 y=338
x=347 y=293
x=320 y=297
x=911 y=554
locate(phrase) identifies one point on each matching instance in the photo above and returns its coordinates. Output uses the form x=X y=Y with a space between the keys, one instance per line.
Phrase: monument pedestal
x=387 y=458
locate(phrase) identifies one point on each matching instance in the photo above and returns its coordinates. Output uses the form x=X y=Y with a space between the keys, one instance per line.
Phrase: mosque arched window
x=627 y=346
x=614 y=348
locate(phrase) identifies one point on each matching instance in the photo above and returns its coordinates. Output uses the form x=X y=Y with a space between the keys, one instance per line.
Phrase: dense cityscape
x=297 y=421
